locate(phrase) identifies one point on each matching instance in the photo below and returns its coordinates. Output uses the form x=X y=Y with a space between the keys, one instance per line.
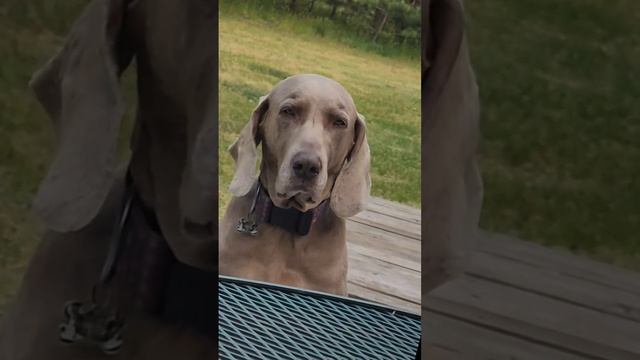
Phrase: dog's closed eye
x=288 y=111
x=340 y=122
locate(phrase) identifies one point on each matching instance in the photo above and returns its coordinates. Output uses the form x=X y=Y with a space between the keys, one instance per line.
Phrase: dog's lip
x=292 y=198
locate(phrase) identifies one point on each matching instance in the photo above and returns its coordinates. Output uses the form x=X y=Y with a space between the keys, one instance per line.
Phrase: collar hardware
x=291 y=220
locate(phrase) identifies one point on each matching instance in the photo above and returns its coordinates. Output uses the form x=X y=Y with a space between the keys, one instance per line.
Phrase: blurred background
x=31 y=32
x=559 y=82
x=560 y=120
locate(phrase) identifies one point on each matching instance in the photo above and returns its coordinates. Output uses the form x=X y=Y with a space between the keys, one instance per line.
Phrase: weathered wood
x=395 y=212
x=561 y=261
x=556 y=284
x=482 y=343
x=527 y=315
x=390 y=224
x=518 y=300
x=374 y=295
x=394 y=249
x=439 y=353
x=387 y=278
x=384 y=255
x=392 y=207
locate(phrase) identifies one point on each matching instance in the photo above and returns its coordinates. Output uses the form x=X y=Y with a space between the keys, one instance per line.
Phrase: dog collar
x=292 y=220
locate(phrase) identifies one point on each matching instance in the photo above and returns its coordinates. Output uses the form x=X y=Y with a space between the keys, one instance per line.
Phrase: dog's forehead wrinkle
x=317 y=97
x=311 y=84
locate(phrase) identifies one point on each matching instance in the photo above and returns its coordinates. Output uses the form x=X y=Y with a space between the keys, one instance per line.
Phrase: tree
x=334 y=8
x=380 y=19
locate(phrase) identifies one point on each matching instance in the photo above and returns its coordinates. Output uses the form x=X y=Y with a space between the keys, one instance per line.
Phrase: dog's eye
x=340 y=123
x=288 y=110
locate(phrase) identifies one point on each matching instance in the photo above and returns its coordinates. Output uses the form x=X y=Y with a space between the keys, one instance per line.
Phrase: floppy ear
x=350 y=193
x=79 y=89
x=245 y=152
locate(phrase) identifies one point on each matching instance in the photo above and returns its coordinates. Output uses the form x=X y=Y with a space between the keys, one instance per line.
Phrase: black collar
x=291 y=220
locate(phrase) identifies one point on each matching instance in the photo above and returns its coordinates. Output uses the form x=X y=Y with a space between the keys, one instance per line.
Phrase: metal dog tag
x=91 y=324
x=247 y=226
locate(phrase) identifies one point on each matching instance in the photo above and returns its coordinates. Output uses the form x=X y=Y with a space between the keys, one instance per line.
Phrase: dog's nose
x=306 y=166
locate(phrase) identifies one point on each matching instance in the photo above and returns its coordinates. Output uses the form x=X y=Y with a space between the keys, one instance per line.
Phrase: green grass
x=560 y=85
x=257 y=53
x=309 y=25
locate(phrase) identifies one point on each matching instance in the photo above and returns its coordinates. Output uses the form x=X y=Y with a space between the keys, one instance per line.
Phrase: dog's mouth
x=299 y=200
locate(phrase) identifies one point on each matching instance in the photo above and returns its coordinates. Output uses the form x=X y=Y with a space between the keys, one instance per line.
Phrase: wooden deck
x=518 y=300
x=384 y=255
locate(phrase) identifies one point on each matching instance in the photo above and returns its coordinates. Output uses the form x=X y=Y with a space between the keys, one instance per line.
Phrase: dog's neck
x=291 y=220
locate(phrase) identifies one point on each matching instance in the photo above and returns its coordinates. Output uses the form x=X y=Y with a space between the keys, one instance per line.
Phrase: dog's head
x=173 y=42
x=314 y=147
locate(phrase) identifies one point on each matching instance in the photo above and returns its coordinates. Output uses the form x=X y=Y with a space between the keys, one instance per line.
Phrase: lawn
x=560 y=89
x=256 y=53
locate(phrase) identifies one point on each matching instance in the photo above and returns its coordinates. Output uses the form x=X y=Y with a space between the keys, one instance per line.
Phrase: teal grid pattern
x=264 y=321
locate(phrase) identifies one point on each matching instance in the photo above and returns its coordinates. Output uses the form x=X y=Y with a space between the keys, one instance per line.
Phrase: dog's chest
x=311 y=262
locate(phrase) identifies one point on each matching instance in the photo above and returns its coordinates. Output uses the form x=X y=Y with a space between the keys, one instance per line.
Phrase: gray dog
x=134 y=249
x=451 y=185
x=288 y=225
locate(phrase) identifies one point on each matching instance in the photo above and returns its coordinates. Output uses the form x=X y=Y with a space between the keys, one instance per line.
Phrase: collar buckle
x=291 y=220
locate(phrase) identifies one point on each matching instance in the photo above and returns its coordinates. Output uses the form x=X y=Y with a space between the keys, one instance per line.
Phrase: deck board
x=518 y=300
x=384 y=255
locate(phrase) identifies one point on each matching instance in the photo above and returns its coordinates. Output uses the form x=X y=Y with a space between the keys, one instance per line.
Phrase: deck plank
x=384 y=255
x=554 y=284
x=479 y=342
x=555 y=323
x=518 y=300
x=573 y=267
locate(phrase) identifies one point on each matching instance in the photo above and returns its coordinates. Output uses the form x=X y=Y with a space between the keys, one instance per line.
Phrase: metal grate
x=265 y=321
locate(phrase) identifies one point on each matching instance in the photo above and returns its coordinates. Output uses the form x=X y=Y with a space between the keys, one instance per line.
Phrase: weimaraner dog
x=287 y=225
x=451 y=183
x=127 y=265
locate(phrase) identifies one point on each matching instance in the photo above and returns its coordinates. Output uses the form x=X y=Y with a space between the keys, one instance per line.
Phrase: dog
x=128 y=260
x=287 y=225
x=452 y=188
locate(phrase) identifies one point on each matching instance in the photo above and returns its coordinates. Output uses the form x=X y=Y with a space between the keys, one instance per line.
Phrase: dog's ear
x=245 y=151
x=351 y=190
x=79 y=89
